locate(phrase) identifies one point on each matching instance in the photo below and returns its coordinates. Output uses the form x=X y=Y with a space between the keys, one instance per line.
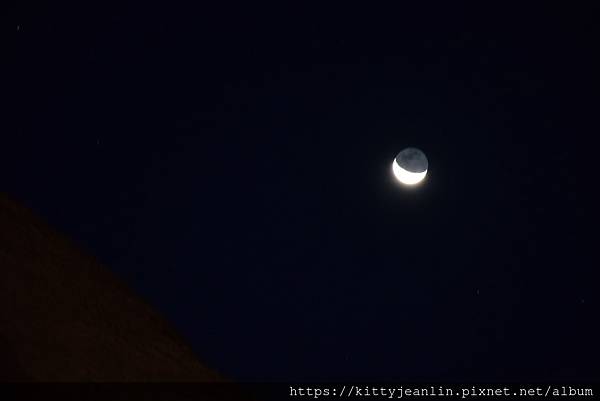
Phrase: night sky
x=233 y=166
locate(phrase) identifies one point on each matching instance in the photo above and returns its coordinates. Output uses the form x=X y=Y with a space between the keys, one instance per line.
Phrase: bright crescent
x=407 y=177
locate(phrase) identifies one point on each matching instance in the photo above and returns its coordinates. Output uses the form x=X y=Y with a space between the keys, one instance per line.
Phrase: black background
x=234 y=166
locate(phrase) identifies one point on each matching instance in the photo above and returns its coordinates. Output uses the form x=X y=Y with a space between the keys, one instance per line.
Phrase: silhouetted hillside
x=64 y=317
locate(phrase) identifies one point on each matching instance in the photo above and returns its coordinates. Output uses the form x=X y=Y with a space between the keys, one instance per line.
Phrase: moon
x=410 y=166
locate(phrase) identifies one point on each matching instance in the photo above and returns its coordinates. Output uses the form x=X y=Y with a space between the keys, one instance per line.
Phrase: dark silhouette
x=64 y=317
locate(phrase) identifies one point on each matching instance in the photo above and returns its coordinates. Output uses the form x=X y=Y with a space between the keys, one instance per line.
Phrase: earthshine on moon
x=410 y=166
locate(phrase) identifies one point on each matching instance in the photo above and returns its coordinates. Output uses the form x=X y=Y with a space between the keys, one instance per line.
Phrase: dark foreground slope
x=63 y=317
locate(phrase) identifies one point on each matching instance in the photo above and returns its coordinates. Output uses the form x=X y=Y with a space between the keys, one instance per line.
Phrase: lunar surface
x=410 y=166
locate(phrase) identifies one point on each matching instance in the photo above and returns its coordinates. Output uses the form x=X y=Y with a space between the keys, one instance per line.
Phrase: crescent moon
x=405 y=176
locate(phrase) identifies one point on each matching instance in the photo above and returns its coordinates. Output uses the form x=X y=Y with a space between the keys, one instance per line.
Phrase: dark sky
x=233 y=166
